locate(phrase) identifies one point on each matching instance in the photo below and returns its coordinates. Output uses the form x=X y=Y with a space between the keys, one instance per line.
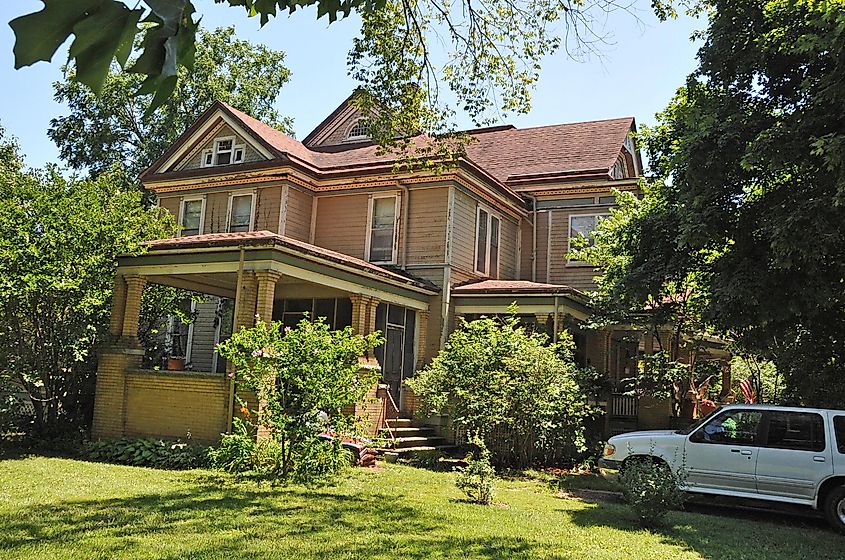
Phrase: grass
x=59 y=508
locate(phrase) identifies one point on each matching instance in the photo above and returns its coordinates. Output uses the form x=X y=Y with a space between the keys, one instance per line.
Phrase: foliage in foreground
x=146 y=452
x=476 y=479
x=303 y=378
x=651 y=489
x=748 y=198
x=59 y=242
x=510 y=386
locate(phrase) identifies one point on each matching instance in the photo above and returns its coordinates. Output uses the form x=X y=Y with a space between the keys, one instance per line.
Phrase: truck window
x=737 y=427
x=839 y=431
x=802 y=431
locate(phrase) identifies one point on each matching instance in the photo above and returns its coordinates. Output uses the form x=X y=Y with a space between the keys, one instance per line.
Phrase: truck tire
x=834 y=508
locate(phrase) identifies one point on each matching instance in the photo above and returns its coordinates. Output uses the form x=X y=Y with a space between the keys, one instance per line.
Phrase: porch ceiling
x=210 y=264
x=495 y=296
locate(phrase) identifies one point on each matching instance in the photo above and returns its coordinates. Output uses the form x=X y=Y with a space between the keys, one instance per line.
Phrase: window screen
x=481 y=242
x=382 y=230
x=796 y=430
x=241 y=213
x=494 y=247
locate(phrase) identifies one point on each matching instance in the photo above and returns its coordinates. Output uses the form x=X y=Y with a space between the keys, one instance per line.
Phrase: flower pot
x=175 y=364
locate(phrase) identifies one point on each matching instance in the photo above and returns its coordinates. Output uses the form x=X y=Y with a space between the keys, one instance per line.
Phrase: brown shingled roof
x=514 y=287
x=264 y=238
x=506 y=154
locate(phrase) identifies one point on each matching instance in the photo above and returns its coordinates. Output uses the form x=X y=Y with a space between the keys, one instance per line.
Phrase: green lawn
x=58 y=508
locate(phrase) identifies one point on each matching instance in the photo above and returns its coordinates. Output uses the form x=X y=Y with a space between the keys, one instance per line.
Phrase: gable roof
x=506 y=155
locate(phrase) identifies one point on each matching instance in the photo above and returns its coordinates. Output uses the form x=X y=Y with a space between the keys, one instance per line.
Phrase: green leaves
x=105 y=31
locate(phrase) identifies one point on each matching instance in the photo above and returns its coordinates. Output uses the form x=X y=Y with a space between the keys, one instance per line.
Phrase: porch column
x=266 y=294
x=363 y=313
x=132 y=307
x=123 y=354
x=246 y=300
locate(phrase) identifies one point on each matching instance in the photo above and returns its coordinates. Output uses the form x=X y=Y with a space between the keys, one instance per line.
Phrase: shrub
x=304 y=377
x=154 y=453
x=511 y=386
x=477 y=478
x=651 y=489
x=237 y=450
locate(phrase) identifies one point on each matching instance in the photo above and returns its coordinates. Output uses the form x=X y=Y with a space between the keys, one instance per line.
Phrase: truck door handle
x=745 y=452
x=819 y=459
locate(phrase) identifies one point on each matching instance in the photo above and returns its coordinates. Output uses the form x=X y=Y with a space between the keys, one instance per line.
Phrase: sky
x=643 y=62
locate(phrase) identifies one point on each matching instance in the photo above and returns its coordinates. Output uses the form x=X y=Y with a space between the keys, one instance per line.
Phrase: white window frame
x=487 y=245
x=232 y=196
x=569 y=233
x=217 y=151
x=207 y=158
x=348 y=136
x=182 y=213
x=368 y=242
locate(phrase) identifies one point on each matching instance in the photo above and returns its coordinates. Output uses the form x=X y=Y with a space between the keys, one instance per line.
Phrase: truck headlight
x=609 y=450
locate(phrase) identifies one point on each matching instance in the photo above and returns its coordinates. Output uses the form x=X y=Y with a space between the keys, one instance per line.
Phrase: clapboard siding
x=561 y=270
x=426 y=223
x=216 y=209
x=527 y=251
x=508 y=238
x=194 y=160
x=341 y=224
x=542 y=246
x=267 y=208
x=171 y=204
x=464 y=214
x=298 y=214
x=202 y=340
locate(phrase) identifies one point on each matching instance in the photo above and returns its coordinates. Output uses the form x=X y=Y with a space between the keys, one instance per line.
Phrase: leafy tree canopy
x=59 y=242
x=746 y=214
x=113 y=127
x=487 y=53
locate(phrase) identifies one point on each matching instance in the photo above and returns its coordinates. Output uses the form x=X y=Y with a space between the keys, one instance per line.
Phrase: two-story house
x=272 y=227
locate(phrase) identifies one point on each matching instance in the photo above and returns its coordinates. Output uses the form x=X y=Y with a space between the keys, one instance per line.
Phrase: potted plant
x=175 y=352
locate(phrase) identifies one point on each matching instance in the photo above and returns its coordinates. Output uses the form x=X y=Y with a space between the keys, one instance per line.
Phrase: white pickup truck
x=781 y=454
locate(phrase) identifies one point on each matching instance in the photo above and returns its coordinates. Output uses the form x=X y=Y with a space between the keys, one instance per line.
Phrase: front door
x=721 y=455
x=795 y=456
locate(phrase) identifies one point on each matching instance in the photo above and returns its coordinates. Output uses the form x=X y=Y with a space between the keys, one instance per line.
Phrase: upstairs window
x=487 y=236
x=240 y=212
x=382 y=230
x=358 y=131
x=225 y=152
x=584 y=226
x=620 y=169
x=192 y=216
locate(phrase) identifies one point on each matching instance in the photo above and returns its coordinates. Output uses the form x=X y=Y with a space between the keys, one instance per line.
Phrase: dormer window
x=620 y=169
x=224 y=152
x=358 y=131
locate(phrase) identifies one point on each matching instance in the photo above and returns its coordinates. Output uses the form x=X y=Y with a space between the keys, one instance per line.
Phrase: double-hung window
x=191 y=218
x=487 y=236
x=584 y=225
x=381 y=237
x=240 y=212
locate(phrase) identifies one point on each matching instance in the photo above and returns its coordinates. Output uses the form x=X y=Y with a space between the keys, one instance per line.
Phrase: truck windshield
x=695 y=425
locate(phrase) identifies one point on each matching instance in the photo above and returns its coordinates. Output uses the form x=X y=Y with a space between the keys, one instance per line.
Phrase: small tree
x=511 y=387
x=298 y=375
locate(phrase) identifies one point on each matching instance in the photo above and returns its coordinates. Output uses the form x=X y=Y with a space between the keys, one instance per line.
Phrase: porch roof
x=494 y=296
x=210 y=262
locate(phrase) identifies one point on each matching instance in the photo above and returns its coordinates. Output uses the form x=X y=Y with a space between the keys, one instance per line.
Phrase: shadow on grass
x=727 y=532
x=215 y=517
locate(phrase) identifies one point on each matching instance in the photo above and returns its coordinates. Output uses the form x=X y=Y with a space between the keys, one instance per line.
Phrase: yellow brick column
x=245 y=306
x=422 y=337
x=266 y=281
x=124 y=353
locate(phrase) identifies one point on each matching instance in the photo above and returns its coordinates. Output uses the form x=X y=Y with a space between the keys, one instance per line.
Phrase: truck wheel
x=834 y=508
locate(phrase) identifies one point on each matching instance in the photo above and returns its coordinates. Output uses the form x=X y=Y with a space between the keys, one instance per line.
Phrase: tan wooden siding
x=194 y=159
x=428 y=214
x=338 y=135
x=216 y=210
x=171 y=204
x=542 y=246
x=267 y=208
x=341 y=223
x=464 y=214
x=561 y=271
x=527 y=251
x=298 y=214
x=508 y=238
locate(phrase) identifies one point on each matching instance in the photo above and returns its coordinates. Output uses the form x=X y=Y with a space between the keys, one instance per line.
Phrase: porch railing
x=623 y=406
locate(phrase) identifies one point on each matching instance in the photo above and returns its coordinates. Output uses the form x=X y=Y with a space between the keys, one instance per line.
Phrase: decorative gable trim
x=189 y=147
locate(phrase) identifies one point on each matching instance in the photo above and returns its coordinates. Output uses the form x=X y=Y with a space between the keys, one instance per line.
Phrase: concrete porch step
x=418 y=441
x=399 y=422
x=409 y=431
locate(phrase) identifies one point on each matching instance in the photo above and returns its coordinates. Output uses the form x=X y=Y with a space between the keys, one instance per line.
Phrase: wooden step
x=417 y=441
x=408 y=431
x=399 y=422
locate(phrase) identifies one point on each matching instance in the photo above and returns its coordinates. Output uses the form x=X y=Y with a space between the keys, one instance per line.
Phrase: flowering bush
x=303 y=379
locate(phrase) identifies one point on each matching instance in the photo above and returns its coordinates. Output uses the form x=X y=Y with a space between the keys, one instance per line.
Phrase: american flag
x=747 y=388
